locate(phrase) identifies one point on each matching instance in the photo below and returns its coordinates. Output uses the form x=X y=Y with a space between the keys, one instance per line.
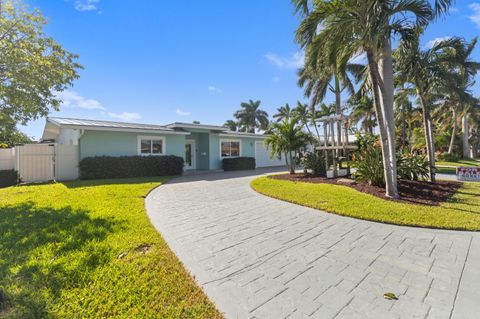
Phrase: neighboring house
x=202 y=146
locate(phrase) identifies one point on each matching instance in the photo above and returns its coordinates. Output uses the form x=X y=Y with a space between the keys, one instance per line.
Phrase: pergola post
x=334 y=151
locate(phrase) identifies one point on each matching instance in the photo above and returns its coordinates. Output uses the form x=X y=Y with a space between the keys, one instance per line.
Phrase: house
x=202 y=146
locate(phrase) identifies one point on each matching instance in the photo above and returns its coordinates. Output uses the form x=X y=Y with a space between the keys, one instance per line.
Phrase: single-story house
x=202 y=146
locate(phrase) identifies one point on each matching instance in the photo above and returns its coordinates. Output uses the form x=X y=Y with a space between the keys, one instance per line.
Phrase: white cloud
x=435 y=41
x=86 y=5
x=213 y=89
x=125 y=116
x=294 y=61
x=276 y=79
x=73 y=99
x=475 y=17
x=182 y=113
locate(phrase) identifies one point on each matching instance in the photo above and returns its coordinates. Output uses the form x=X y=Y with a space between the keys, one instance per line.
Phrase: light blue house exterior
x=202 y=146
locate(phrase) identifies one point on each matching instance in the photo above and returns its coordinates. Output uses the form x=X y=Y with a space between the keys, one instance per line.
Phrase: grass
x=87 y=249
x=461 y=213
x=450 y=167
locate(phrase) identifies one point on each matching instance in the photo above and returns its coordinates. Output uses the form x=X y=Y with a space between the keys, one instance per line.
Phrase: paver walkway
x=259 y=257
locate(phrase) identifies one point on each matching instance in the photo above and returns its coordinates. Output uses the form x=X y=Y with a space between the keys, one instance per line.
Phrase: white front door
x=190 y=154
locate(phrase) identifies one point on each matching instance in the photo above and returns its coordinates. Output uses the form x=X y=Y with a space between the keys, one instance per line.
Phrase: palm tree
x=231 y=124
x=283 y=113
x=251 y=117
x=428 y=70
x=286 y=139
x=342 y=29
x=302 y=112
x=363 y=112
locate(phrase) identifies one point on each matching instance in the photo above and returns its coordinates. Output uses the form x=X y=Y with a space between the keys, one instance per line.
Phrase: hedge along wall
x=238 y=163
x=130 y=166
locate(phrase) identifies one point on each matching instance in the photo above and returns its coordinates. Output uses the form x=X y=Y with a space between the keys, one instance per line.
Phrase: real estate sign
x=469 y=174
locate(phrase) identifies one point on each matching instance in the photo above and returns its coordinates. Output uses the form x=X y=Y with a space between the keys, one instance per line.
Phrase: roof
x=197 y=126
x=109 y=125
x=242 y=134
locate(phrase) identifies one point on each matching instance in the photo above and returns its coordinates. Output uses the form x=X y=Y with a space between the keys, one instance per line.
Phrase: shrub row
x=8 y=178
x=130 y=166
x=238 y=163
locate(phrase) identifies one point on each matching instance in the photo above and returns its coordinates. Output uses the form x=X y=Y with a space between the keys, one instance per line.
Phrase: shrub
x=445 y=157
x=8 y=178
x=315 y=163
x=130 y=166
x=369 y=166
x=412 y=166
x=238 y=163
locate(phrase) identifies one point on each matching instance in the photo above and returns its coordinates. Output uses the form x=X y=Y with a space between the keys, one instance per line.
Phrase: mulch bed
x=411 y=192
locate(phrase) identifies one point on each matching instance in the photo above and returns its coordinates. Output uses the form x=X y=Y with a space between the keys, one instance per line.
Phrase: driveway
x=258 y=257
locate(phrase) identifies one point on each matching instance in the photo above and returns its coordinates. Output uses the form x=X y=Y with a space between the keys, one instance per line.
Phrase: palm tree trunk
x=454 y=131
x=428 y=129
x=404 y=127
x=465 y=133
x=338 y=111
x=292 y=165
x=383 y=102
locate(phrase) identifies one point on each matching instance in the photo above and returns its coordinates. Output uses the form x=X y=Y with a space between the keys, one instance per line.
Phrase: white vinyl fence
x=7 y=158
x=42 y=162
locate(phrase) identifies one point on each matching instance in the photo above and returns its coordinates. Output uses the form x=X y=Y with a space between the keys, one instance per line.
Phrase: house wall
x=247 y=149
x=106 y=143
x=201 y=149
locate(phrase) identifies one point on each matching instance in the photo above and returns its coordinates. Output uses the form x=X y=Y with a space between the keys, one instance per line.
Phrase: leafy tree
x=231 y=124
x=302 y=112
x=33 y=67
x=9 y=134
x=283 y=113
x=251 y=117
x=342 y=29
x=286 y=139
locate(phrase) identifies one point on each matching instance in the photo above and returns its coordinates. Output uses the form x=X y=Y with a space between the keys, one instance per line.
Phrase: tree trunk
x=454 y=131
x=465 y=133
x=404 y=127
x=428 y=130
x=338 y=110
x=383 y=101
x=292 y=164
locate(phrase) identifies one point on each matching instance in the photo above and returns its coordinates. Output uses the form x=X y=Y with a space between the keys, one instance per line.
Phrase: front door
x=190 y=154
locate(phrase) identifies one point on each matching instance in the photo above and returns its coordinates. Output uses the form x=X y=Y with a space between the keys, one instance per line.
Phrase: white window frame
x=230 y=140
x=151 y=138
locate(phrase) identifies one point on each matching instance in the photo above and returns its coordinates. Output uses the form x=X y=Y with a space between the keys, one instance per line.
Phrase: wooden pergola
x=332 y=124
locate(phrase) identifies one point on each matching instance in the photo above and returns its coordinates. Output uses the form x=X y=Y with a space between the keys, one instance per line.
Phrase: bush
x=238 y=163
x=445 y=157
x=8 y=178
x=412 y=166
x=369 y=166
x=130 y=166
x=315 y=163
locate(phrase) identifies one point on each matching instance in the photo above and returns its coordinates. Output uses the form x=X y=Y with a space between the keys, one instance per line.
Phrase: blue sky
x=157 y=62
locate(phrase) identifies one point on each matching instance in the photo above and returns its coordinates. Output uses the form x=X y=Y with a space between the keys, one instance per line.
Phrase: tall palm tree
x=302 y=112
x=363 y=112
x=342 y=29
x=231 y=124
x=283 y=113
x=251 y=117
x=286 y=139
x=428 y=70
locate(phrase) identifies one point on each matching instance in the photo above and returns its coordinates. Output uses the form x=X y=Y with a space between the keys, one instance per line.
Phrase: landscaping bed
x=87 y=249
x=415 y=192
x=460 y=212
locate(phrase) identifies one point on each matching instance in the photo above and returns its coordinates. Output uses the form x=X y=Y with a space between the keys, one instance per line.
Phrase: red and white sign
x=468 y=174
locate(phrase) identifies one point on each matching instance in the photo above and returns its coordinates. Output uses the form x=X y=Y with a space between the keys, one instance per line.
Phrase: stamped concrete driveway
x=257 y=257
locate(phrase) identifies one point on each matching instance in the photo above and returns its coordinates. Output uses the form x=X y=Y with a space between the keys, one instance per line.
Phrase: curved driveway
x=258 y=257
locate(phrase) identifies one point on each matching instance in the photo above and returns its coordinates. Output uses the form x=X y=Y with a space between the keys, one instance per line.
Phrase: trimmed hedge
x=130 y=166
x=8 y=178
x=238 y=163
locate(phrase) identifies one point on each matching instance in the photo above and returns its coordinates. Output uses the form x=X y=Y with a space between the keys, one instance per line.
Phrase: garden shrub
x=315 y=163
x=445 y=157
x=130 y=166
x=369 y=164
x=238 y=163
x=412 y=166
x=8 y=178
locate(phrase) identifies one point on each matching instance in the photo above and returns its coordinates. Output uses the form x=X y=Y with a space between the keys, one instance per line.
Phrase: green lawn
x=462 y=212
x=449 y=167
x=87 y=250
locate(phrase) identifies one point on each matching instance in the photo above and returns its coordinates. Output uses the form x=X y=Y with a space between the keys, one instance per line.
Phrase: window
x=229 y=148
x=151 y=145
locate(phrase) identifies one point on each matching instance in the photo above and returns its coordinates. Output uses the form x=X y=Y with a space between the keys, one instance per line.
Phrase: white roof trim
x=258 y=136
x=198 y=126
x=121 y=129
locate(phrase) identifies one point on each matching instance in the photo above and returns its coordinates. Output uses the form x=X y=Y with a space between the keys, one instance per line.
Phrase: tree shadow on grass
x=45 y=250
